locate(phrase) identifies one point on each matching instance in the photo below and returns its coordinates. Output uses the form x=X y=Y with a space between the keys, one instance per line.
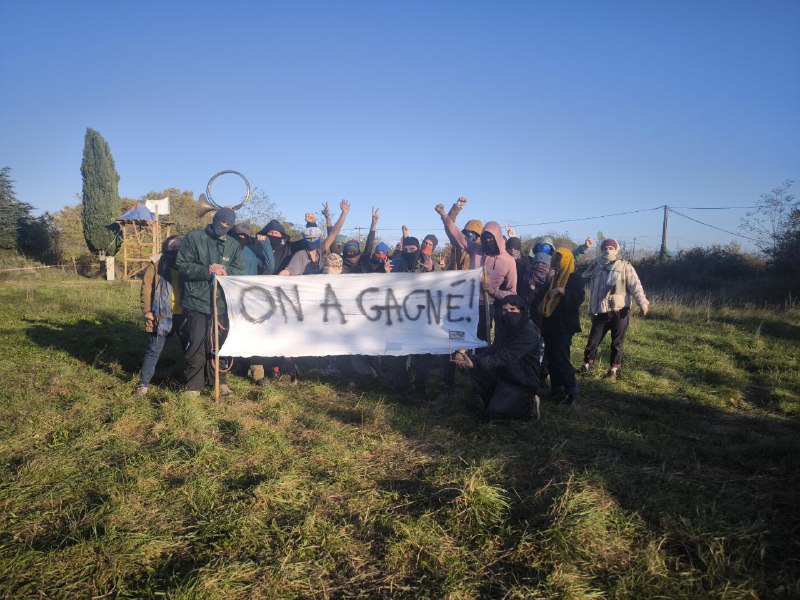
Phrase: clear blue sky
x=536 y=111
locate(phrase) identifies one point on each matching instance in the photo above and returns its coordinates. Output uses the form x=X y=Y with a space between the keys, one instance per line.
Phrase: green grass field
x=680 y=481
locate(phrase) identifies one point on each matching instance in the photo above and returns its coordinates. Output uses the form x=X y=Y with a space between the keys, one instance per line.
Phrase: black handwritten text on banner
x=379 y=314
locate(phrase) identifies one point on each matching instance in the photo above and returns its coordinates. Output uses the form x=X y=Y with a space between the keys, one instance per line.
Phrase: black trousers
x=617 y=323
x=562 y=374
x=502 y=399
x=197 y=351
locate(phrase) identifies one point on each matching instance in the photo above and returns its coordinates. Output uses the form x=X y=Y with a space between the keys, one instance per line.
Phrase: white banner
x=376 y=314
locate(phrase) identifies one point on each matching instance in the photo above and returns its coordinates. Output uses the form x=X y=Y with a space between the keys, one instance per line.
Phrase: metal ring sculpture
x=246 y=183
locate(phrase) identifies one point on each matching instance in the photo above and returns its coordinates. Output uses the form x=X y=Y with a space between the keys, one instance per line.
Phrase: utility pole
x=663 y=254
x=633 y=252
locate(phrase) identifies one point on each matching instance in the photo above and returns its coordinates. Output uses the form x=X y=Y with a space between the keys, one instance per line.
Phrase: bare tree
x=771 y=218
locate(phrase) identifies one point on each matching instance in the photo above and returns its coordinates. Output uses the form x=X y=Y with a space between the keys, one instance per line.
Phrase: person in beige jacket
x=160 y=301
x=612 y=283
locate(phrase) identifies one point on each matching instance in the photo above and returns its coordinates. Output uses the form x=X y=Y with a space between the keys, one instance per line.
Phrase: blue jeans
x=155 y=344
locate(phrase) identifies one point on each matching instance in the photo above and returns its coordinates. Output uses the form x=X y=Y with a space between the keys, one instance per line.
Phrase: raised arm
x=370 y=236
x=327 y=212
x=456 y=208
x=332 y=233
x=583 y=248
x=451 y=229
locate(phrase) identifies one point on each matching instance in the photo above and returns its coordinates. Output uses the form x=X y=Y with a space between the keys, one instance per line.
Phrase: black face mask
x=276 y=242
x=489 y=245
x=512 y=320
x=411 y=259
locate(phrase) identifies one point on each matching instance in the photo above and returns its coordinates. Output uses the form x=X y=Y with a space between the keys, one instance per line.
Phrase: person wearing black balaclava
x=409 y=256
x=258 y=256
x=506 y=374
x=275 y=233
x=204 y=254
x=415 y=258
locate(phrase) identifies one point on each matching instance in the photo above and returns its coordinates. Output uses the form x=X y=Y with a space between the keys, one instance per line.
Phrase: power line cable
x=711 y=207
x=713 y=226
x=630 y=212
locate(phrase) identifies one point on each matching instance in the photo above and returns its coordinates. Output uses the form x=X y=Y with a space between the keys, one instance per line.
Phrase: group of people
x=531 y=302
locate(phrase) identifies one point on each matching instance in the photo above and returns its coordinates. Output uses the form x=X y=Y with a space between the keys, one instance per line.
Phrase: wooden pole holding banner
x=216 y=344
x=486 y=306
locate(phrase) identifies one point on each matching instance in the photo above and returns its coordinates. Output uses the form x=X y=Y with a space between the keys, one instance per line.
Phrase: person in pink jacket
x=489 y=251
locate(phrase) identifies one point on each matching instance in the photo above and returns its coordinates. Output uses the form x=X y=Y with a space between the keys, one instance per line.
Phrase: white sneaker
x=536 y=405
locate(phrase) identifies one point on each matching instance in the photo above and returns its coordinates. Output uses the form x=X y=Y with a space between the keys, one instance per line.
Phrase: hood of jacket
x=494 y=228
x=274 y=225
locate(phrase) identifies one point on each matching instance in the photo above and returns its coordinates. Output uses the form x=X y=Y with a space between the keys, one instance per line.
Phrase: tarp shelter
x=138 y=213
x=142 y=235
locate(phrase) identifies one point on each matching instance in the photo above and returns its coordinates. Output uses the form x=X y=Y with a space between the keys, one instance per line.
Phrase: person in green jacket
x=204 y=254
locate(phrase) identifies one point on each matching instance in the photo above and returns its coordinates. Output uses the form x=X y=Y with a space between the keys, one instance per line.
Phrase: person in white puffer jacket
x=612 y=283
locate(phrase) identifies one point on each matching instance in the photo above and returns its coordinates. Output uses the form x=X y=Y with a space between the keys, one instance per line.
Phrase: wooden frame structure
x=141 y=239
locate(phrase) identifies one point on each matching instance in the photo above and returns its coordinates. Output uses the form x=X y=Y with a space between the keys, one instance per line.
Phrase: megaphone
x=204 y=206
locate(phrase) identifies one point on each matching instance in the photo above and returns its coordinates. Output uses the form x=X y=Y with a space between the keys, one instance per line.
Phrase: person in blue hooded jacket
x=258 y=256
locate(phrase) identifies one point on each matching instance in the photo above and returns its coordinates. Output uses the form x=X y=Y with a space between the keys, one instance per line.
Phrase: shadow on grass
x=110 y=344
x=695 y=473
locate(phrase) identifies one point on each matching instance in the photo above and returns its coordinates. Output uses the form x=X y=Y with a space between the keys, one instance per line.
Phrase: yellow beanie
x=475 y=226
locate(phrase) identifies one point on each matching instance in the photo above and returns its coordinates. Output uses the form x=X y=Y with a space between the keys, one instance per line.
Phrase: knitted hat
x=475 y=226
x=513 y=243
x=340 y=239
x=544 y=244
x=332 y=263
x=312 y=233
x=434 y=240
x=610 y=242
x=411 y=241
x=352 y=248
x=381 y=247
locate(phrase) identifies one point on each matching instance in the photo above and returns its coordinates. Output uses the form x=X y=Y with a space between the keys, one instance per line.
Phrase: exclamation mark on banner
x=471 y=298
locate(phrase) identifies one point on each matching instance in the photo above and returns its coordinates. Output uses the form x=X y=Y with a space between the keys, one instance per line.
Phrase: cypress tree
x=101 y=204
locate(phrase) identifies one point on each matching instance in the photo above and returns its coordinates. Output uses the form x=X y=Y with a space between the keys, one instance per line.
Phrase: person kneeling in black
x=506 y=374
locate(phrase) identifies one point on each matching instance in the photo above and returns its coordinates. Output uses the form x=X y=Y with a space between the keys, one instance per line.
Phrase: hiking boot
x=224 y=390
x=141 y=390
x=612 y=376
x=584 y=370
x=262 y=382
x=572 y=401
x=536 y=412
